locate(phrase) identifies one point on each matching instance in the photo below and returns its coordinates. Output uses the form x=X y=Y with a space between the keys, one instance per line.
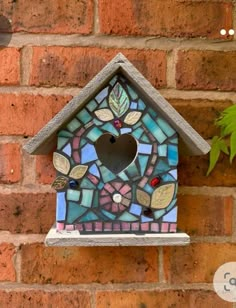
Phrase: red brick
x=197 y=262
x=160 y=299
x=75 y=66
x=165 y=18
x=35 y=298
x=74 y=16
x=73 y=265
x=27 y=212
x=45 y=171
x=206 y=69
x=199 y=215
x=7 y=270
x=10 y=163
x=192 y=171
x=26 y=114
x=201 y=114
x=10 y=66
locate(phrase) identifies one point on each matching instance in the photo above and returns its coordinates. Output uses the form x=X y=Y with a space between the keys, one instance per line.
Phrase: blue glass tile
x=87 y=197
x=101 y=95
x=108 y=127
x=86 y=183
x=133 y=105
x=167 y=178
x=84 y=116
x=171 y=216
x=97 y=122
x=137 y=133
x=90 y=216
x=65 y=133
x=61 y=206
x=73 y=125
x=74 y=212
x=146 y=219
x=104 y=104
x=173 y=155
x=152 y=112
x=174 y=173
x=125 y=130
x=159 y=213
x=113 y=80
x=88 y=153
x=108 y=214
x=148 y=188
x=167 y=129
x=126 y=216
x=162 y=150
x=141 y=105
x=154 y=128
x=132 y=93
x=92 y=105
x=132 y=170
x=143 y=160
x=61 y=141
x=161 y=167
x=144 y=148
x=94 y=170
x=73 y=195
x=123 y=176
x=94 y=134
x=135 y=209
x=174 y=140
x=107 y=175
x=145 y=138
x=67 y=149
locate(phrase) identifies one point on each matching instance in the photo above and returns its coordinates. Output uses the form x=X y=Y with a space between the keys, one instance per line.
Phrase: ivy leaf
x=217 y=146
x=118 y=100
x=232 y=146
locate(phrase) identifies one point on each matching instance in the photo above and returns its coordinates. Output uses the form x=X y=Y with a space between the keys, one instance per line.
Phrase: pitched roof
x=191 y=142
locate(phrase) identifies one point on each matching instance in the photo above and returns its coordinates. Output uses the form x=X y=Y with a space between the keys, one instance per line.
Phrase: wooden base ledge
x=74 y=238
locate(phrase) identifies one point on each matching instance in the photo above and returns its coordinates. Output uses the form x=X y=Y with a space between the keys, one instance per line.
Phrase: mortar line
x=96 y=26
x=171 y=68
x=17 y=264
x=25 y=64
x=161 y=265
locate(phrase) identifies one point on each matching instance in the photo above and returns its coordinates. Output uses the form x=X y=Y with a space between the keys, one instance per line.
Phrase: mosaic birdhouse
x=117 y=154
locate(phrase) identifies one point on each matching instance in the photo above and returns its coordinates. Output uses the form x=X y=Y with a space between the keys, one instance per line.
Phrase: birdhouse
x=117 y=147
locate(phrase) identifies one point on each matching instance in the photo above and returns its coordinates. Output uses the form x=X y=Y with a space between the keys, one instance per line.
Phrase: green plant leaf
x=118 y=100
x=232 y=146
x=214 y=153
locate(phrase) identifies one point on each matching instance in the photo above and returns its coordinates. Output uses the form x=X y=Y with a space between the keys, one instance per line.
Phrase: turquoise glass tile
x=172 y=204
x=88 y=153
x=94 y=170
x=152 y=112
x=171 y=216
x=132 y=93
x=144 y=138
x=162 y=150
x=67 y=149
x=97 y=122
x=126 y=216
x=94 y=134
x=86 y=183
x=168 y=178
x=110 y=128
x=143 y=160
x=107 y=175
x=173 y=155
x=101 y=95
x=122 y=175
x=132 y=170
x=133 y=105
x=137 y=125
x=148 y=189
x=82 y=142
x=104 y=104
x=90 y=216
x=141 y=105
x=73 y=195
x=74 y=212
x=167 y=129
x=159 y=213
x=137 y=133
x=135 y=209
x=174 y=140
x=92 y=105
x=87 y=197
x=108 y=214
x=65 y=133
x=161 y=167
x=61 y=206
x=84 y=116
x=61 y=141
x=146 y=219
x=154 y=128
x=73 y=125
x=125 y=130
x=113 y=80
x=100 y=185
x=144 y=148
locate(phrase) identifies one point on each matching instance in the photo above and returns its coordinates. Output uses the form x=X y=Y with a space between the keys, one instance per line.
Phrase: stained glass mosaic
x=116 y=163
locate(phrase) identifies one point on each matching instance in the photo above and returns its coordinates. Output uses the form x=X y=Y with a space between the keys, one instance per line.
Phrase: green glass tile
x=158 y=214
x=152 y=112
x=61 y=141
x=97 y=122
x=108 y=127
x=132 y=170
x=95 y=199
x=74 y=212
x=154 y=128
x=107 y=175
x=113 y=80
x=94 y=134
x=73 y=195
x=132 y=93
x=143 y=160
x=100 y=185
x=119 y=100
x=73 y=125
x=145 y=139
x=141 y=105
x=162 y=150
x=148 y=188
x=167 y=129
x=108 y=214
x=92 y=105
x=126 y=216
x=90 y=216
x=87 y=197
x=65 y=133
x=174 y=140
x=86 y=183
x=123 y=176
x=137 y=125
x=104 y=104
x=84 y=116
x=137 y=133
x=82 y=142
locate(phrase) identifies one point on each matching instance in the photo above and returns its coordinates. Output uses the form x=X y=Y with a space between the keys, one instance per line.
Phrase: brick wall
x=56 y=48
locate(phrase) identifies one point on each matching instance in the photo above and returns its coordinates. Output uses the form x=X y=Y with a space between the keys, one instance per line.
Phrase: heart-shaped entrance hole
x=116 y=153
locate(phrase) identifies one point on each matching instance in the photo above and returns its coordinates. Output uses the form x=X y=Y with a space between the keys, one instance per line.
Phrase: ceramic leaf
x=61 y=163
x=162 y=196
x=143 y=198
x=104 y=114
x=78 y=172
x=60 y=182
x=118 y=100
x=132 y=117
